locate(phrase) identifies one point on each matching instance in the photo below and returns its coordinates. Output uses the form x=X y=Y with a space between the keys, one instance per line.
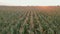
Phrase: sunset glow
x=45 y=7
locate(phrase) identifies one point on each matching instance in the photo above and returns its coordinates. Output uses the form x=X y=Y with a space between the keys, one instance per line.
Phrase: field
x=29 y=20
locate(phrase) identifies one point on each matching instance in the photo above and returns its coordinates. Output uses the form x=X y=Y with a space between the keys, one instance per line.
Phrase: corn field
x=29 y=20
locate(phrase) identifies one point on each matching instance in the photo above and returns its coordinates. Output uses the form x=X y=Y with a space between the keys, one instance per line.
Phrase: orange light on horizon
x=45 y=8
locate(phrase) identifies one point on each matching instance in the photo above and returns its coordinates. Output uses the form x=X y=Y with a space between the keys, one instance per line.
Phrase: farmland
x=29 y=20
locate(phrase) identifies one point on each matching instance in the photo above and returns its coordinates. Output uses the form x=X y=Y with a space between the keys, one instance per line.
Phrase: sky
x=30 y=2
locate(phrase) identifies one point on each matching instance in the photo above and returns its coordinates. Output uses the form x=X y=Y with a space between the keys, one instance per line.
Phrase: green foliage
x=14 y=21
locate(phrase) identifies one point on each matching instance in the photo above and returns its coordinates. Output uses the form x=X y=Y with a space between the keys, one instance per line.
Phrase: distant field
x=29 y=20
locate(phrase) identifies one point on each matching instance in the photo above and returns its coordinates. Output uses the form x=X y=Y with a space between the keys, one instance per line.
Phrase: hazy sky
x=30 y=2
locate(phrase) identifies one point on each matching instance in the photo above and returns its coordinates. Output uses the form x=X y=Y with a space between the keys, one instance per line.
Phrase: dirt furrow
x=24 y=23
x=39 y=27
